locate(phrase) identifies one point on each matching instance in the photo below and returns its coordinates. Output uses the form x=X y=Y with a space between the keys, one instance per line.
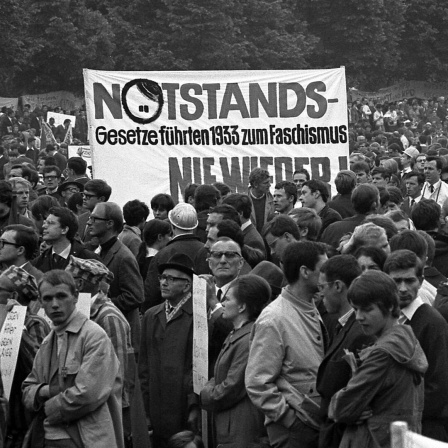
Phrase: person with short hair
x=261 y=198
x=362 y=171
x=75 y=381
x=68 y=188
x=275 y=379
x=52 y=178
x=308 y=222
x=389 y=381
x=380 y=176
x=206 y=197
x=77 y=170
x=414 y=183
x=161 y=205
x=345 y=182
x=370 y=258
x=135 y=214
x=166 y=357
x=299 y=177
x=336 y=276
x=315 y=195
x=61 y=161
x=285 y=197
x=434 y=188
x=431 y=330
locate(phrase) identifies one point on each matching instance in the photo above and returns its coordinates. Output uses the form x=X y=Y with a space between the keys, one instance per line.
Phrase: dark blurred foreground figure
x=388 y=379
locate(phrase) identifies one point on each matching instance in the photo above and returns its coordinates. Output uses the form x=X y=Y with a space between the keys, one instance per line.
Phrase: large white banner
x=155 y=132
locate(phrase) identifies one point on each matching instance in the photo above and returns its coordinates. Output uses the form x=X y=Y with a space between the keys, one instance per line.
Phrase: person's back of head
x=308 y=221
x=240 y=202
x=361 y=166
x=135 y=212
x=341 y=267
x=153 y=229
x=426 y=214
x=411 y=240
x=78 y=165
x=223 y=188
x=345 y=181
x=5 y=193
x=431 y=247
x=230 y=229
x=75 y=202
x=189 y=193
x=395 y=195
x=383 y=221
x=206 y=197
x=365 y=199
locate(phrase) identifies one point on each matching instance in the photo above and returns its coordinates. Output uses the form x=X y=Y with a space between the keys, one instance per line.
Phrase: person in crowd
x=77 y=404
x=336 y=276
x=400 y=219
x=277 y=379
x=74 y=204
x=189 y=192
x=67 y=189
x=9 y=208
x=225 y=394
x=262 y=200
x=315 y=195
x=135 y=214
x=52 y=179
x=345 y=182
x=156 y=235
x=434 y=188
x=59 y=231
x=431 y=274
x=278 y=234
x=61 y=161
x=183 y=219
x=367 y=234
x=161 y=205
x=431 y=330
x=21 y=190
x=362 y=171
x=206 y=197
x=285 y=197
x=126 y=289
x=299 y=177
x=414 y=183
x=77 y=170
x=380 y=177
x=165 y=363
x=388 y=376
x=308 y=222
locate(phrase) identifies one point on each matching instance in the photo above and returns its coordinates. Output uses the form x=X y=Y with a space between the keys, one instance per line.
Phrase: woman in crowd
x=370 y=258
x=237 y=421
x=388 y=384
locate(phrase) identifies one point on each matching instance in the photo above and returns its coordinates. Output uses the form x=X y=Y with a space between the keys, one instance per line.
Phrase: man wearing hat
x=165 y=365
x=183 y=219
x=68 y=188
x=406 y=158
x=17 y=286
x=91 y=276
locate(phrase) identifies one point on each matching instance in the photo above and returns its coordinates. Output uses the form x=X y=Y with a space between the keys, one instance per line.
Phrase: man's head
x=21 y=190
x=411 y=240
x=432 y=170
x=362 y=171
x=18 y=244
x=285 y=196
x=6 y=196
x=241 y=203
x=225 y=260
x=426 y=215
x=302 y=262
x=61 y=224
x=135 y=213
x=400 y=219
x=279 y=233
x=161 y=205
x=105 y=221
x=414 y=184
x=374 y=296
x=336 y=276
x=380 y=176
x=220 y=212
x=345 y=181
x=225 y=228
x=308 y=222
x=50 y=149
x=314 y=194
x=260 y=181
x=58 y=295
x=206 y=197
x=176 y=278
x=69 y=188
x=76 y=167
x=406 y=269
x=183 y=218
x=299 y=177
x=52 y=177
x=365 y=199
x=189 y=192
x=95 y=191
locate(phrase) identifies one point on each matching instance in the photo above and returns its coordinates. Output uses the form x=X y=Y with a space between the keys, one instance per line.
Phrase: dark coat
x=342 y=203
x=441 y=256
x=328 y=216
x=334 y=373
x=166 y=369
x=334 y=232
x=252 y=238
x=187 y=244
x=45 y=262
x=237 y=420
x=126 y=289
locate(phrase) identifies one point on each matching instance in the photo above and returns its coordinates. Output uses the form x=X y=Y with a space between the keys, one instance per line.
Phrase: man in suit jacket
x=431 y=330
x=414 y=183
x=126 y=289
x=336 y=276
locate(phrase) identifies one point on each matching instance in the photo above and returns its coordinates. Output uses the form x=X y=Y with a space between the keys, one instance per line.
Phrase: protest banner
x=60 y=118
x=155 y=132
x=10 y=337
x=403 y=90
x=10 y=103
x=63 y=99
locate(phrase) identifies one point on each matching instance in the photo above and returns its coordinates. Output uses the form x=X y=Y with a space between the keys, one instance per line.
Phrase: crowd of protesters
x=327 y=314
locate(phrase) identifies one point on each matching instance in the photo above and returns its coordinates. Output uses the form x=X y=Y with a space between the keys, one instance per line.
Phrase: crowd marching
x=327 y=313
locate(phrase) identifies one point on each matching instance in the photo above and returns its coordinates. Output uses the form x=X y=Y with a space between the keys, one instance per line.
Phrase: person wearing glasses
x=68 y=188
x=166 y=354
x=52 y=178
x=58 y=231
